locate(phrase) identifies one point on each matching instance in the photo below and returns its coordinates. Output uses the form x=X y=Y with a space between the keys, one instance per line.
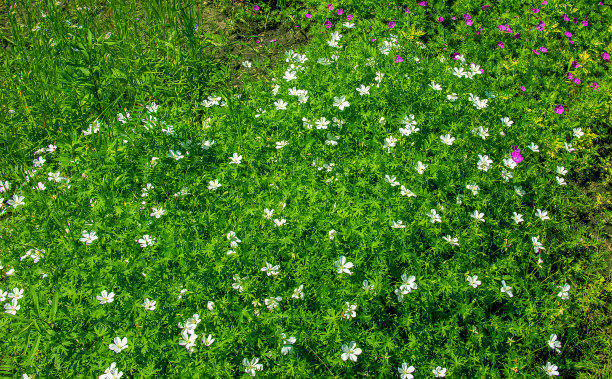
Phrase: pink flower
x=594 y=85
x=544 y=2
x=606 y=57
x=575 y=64
x=440 y=19
x=565 y=18
x=328 y=24
x=256 y=8
x=469 y=22
x=570 y=41
x=577 y=81
x=568 y=34
x=372 y=39
x=467 y=16
x=330 y=7
x=585 y=22
x=258 y=41
x=349 y=17
x=543 y=49
x=308 y=15
x=500 y=44
x=398 y=59
x=559 y=109
x=485 y=7
x=407 y=11
x=516 y=154
x=535 y=52
x=340 y=12
x=392 y=25
x=423 y=3
x=570 y=76
x=523 y=88
x=535 y=10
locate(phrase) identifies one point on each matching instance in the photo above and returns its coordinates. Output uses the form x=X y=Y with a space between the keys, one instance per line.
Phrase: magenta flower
x=535 y=52
x=544 y=2
x=258 y=41
x=454 y=18
x=570 y=76
x=467 y=16
x=455 y=56
x=423 y=3
x=469 y=22
x=568 y=34
x=517 y=36
x=535 y=10
x=565 y=18
x=392 y=24
x=577 y=81
x=308 y=15
x=559 y=109
x=543 y=49
x=485 y=7
x=571 y=41
x=407 y=11
x=440 y=19
x=256 y=8
x=500 y=44
x=594 y=85
x=340 y=12
x=372 y=39
x=606 y=57
x=516 y=154
x=328 y=24
x=585 y=22
x=398 y=59
x=349 y=17
x=523 y=88
x=575 y=64
x=330 y=7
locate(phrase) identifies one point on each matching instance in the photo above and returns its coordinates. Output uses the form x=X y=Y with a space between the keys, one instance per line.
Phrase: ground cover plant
x=398 y=198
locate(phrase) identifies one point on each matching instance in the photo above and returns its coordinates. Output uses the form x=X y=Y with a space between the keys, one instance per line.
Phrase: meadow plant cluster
x=394 y=200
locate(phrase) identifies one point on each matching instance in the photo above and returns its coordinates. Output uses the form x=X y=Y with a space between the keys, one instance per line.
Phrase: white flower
x=38 y=162
x=391 y=180
x=105 y=298
x=478 y=216
x=439 y=372
x=389 y=143
x=484 y=163
x=452 y=97
x=405 y=371
x=340 y=102
x=543 y=215
x=481 y=132
x=507 y=175
x=509 y=163
x=366 y=286
x=278 y=222
x=112 y=372
x=207 y=144
x=435 y=86
x=234 y=241
x=322 y=123
x=451 y=240
x=350 y=351
x=473 y=281
x=252 y=366
x=268 y=213
x=537 y=246
x=235 y=159
x=16 y=201
x=420 y=167
x=506 y=121
x=123 y=118
x=397 y=224
x=298 y=293
x=157 y=212
x=554 y=343
x=408 y=284
x=332 y=234
x=550 y=369
x=434 y=217
x=560 y=181
x=332 y=140
x=535 y=148
x=519 y=190
x=481 y=103
x=564 y=294
x=188 y=340
x=561 y=171
x=146 y=240
x=88 y=237
x=459 y=72
x=473 y=187
x=342 y=266
x=281 y=144
x=287 y=344
x=149 y=305
x=272 y=302
x=406 y=192
x=517 y=217
x=118 y=344
x=246 y=64
x=363 y=90
x=213 y=185
x=271 y=270
x=210 y=306
x=350 y=310
x=237 y=285
x=447 y=139
x=12 y=307
x=506 y=289
x=208 y=340
x=289 y=75
x=578 y=132
x=568 y=147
